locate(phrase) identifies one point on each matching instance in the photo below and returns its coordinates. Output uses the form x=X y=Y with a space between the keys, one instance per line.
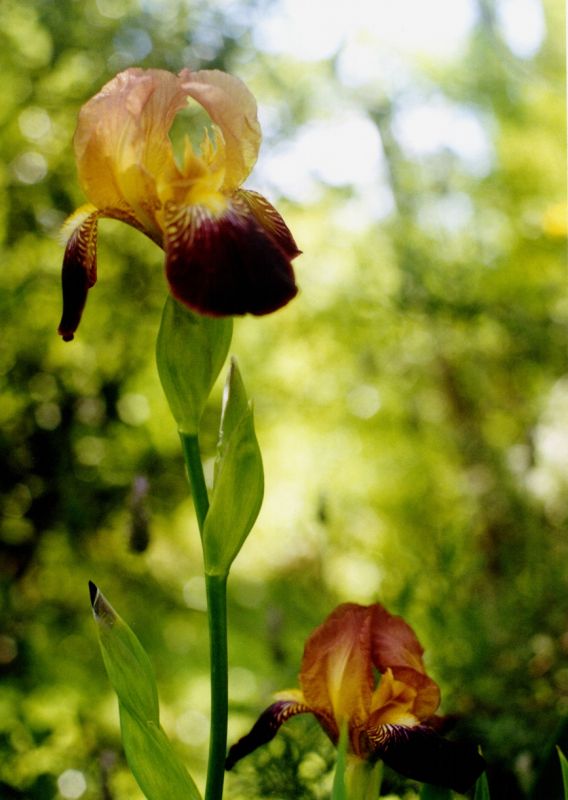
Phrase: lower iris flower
x=362 y=669
x=228 y=250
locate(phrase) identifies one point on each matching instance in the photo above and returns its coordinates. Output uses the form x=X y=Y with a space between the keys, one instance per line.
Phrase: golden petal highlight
x=336 y=675
x=121 y=142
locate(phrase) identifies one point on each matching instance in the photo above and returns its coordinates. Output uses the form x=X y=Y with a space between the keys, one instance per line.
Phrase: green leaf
x=482 y=788
x=238 y=485
x=158 y=769
x=190 y=352
x=127 y=665
x=430 y=792
x=155 y=765
x=564 y=768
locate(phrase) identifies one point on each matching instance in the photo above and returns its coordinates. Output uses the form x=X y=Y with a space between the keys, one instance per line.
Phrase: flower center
x=393 y=701
x=199 y=181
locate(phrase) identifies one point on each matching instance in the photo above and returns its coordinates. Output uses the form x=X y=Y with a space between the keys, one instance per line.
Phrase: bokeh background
x=411 y=403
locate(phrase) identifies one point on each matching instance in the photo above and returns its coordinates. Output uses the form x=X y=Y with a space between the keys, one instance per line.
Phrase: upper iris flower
x=362 y=668
x=228 y=251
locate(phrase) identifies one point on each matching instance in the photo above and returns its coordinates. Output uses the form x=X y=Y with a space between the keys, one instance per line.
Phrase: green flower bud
x=238 y=485
x=190 y=352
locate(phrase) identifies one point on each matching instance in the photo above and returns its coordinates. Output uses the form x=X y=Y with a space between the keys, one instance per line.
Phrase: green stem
x=363 y=779
x=192 y=457
x=216 y=587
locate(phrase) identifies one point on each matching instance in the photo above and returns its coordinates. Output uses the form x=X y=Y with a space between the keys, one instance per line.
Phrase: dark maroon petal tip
x=78 y=275
x=264 y=729
x=421 y=754
x=227 y=265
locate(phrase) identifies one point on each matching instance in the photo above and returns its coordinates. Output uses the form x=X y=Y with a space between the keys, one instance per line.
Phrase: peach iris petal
x=336 y=675
x=232 y=107
x=122 y=143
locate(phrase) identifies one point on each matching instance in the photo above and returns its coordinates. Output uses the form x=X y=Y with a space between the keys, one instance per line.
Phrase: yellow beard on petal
x=202 y=194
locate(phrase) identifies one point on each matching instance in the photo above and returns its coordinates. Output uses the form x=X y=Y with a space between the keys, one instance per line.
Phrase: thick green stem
x=217 y=611
x=363 y=779
x=192 y=457
x=216 y=587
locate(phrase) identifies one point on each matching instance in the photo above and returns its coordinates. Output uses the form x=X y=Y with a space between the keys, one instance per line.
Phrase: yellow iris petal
x=232 y=107
x=121 y=141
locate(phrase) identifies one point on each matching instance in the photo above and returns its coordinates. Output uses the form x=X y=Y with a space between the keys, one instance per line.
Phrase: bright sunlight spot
x=317 y=30
x=72 y=784
x=522 y=26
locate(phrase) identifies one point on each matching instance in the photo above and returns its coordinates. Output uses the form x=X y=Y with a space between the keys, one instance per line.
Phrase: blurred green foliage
x=410 y=405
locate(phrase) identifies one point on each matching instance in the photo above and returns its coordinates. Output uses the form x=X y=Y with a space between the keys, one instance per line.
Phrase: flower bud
x=190 y=352
x=238 y=485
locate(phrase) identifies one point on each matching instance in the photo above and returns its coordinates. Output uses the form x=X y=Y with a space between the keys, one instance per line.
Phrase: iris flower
x=363 y=669
x=227 y=249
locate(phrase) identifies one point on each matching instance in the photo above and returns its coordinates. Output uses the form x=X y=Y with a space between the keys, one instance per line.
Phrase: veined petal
x=271 y=221
x=79 y=271
x=232 y=107
x=121 y=141
x=79 y=267
x=225 y=264
x=336 y=675
x=266 y=727
x=421 y=754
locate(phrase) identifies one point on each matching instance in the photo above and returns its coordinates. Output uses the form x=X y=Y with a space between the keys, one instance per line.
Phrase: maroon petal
x=264 y=729
x=421 y=754
x=227 y=265
x=80 y=262
x=79 y=274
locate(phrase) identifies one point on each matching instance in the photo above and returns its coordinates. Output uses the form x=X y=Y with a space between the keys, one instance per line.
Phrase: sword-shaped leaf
x=158 y=769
